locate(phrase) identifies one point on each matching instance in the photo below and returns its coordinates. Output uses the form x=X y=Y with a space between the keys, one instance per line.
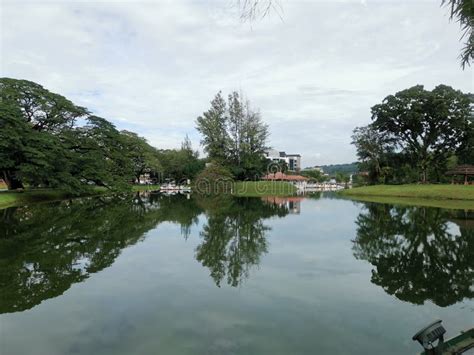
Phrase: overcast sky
x=153 y=66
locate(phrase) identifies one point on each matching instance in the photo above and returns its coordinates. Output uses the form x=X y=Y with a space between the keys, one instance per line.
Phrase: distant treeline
x=340 y=168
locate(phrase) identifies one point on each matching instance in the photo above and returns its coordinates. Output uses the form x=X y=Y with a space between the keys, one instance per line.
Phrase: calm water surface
x=149 y=274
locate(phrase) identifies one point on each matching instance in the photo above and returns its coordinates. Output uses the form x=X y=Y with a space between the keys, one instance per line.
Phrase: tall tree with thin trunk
x=234 y=135
x=213 y=127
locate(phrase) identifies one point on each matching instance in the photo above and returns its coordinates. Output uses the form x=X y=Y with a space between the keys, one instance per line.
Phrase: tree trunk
x=12 y=180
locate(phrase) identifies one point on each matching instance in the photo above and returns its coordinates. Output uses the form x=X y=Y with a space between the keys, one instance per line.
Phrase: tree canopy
x=417 y=132
x=48 y=141
x=234 y=135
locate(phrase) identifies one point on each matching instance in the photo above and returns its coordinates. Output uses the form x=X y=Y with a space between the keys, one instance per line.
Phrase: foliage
x=415 y=134
x=463 y=12
x=234 y=136
x=143 y=157
x=214 y=179
x=331 y=169
x=42 y=145
x=416 y=255
x=314 y=174
x=182 y=164
x=373 y=150
x=342 y=178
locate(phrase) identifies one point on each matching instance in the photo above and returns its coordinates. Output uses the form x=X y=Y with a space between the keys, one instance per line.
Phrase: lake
x=153 y=274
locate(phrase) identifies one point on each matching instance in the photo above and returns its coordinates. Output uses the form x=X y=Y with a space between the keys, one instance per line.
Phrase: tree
x=42 y=109
x=254 y=139
x=373 y=148
x=427 y=125
x=42 y=144
x=315 y=175
x=192 y=165
x=212 y=126
x=34 y=122
x=102 y=155
x=143 y=157
x=234 y=136
x=180 y=164
x=214 y=179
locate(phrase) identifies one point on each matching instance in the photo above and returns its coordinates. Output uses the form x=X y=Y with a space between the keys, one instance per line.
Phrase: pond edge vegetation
x=430 y=195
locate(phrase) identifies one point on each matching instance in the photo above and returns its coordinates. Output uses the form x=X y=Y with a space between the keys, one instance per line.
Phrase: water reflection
x=44 y=249
x=234 y=236
x=419 y=253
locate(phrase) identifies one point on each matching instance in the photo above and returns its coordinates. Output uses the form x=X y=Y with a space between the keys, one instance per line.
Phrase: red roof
x=284 y=177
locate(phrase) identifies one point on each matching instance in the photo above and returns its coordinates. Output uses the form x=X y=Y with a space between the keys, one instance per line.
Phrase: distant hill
x=340 y=168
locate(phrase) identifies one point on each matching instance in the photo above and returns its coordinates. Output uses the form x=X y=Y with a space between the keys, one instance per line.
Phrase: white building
x=292 y=160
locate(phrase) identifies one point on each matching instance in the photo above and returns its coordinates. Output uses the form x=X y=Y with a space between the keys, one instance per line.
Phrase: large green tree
x=44 y=144
x=429 y=126
x=32 y=123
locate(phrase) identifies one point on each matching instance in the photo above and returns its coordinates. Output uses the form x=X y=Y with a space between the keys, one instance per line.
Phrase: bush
x=214 y=179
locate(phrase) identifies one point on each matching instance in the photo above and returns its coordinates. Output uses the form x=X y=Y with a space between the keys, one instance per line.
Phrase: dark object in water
x=435 y=332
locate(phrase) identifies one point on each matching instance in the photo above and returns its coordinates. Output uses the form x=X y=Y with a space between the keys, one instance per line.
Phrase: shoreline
x=16 y=198
x=240 y=189
x=442 y=196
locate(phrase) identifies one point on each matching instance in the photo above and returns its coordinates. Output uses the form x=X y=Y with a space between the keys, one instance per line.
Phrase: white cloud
x=153 y=66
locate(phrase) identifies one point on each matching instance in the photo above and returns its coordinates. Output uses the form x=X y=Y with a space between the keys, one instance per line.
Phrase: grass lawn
x=263 y=188
x=14 y=198
x=446 y=196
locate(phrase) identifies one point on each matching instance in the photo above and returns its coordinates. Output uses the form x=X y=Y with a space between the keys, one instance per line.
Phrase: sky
x=313 y=69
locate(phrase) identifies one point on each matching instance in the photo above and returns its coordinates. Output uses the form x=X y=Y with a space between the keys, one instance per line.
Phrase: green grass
x=14 y=198
x=445 y=196
x=263 y=188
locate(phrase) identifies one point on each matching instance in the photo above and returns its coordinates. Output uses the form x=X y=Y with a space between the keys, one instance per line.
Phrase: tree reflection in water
x=234 y=237
x=419 y=253
x=45 y=248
